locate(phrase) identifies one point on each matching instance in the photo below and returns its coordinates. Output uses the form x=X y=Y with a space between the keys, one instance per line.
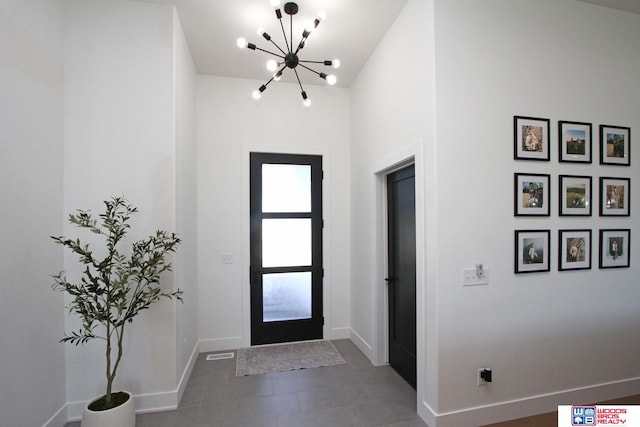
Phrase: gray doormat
x=286 y=357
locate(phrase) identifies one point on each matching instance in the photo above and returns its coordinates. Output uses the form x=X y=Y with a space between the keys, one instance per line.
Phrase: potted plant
x=113 y=289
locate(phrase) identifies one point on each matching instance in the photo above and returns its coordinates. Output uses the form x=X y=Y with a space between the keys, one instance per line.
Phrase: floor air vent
x=219 y=356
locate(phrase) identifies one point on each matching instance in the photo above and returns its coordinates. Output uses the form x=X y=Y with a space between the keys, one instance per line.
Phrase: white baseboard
x=59 y=419
x=361 y=344
x=186 y=375
x=529 y=406
x=467 y=417
x=220 y=344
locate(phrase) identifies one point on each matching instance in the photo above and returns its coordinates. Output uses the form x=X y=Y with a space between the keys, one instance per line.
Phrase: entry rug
x=286 y=357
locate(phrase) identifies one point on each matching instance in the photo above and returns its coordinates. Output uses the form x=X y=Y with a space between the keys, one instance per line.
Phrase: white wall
x=392 y=119
x=230 y=125
x=391 y=110
x=550 y=332
x=186 y=216
x=31 y=314
x=550 y=337
x=120 y=139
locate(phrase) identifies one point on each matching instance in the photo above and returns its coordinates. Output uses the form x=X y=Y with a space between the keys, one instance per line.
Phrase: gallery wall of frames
x=576 y=198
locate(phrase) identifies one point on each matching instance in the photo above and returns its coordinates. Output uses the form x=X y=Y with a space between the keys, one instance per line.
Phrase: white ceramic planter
x=120 y=416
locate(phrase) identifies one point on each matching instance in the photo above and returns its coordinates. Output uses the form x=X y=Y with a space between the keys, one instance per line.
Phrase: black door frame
x=291 y=330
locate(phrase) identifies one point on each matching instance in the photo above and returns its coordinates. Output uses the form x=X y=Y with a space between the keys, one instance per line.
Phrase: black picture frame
x=615 y=196
x=574 y=142
x=532 y=251
x=531 y=138
x=574 y=250
x=575 y=195
x=531 y=194
x=614 y=248
x=615 y=145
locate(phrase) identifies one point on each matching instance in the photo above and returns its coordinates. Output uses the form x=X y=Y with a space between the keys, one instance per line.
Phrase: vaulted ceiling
x=351 y=31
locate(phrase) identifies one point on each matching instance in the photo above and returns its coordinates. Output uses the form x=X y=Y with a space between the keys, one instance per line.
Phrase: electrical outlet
x=470 y=277
x=481 y=380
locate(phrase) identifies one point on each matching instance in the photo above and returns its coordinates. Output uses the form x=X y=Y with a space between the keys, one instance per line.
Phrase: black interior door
x=286 y=248
x=402 y=272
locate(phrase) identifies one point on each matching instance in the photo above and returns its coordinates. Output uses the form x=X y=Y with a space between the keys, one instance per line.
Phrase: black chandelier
x=289 y=58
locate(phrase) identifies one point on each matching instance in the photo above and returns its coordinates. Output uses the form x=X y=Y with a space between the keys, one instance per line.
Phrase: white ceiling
x=626 y=5
x=351 y=32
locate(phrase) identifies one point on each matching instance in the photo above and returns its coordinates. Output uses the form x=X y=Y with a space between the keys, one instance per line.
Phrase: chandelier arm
x=298 y=77
x=314 y=62
x=269 y=52
x=280 y=71
x=284 y=33
x=291 y=32
x=279 y=48
x=310 y=69
x=269 y=81
x=301 y=44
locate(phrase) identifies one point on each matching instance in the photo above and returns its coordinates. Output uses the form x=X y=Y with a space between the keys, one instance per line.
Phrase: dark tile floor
x=353 y=394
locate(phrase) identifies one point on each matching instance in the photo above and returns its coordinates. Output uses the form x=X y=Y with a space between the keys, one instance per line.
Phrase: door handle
x=389 y=279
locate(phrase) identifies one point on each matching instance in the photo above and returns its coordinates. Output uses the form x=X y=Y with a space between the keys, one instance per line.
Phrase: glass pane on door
x=286 y=188
x=286 y=296
x=286 y=242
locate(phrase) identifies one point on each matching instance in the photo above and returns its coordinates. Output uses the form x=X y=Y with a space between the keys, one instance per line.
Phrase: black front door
x=402 y=272
x=286 y=248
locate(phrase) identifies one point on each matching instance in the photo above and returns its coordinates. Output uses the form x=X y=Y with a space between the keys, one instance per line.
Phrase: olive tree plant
x=115 y=286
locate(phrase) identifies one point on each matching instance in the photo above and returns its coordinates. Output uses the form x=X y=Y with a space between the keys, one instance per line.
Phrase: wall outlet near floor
x=484 y=376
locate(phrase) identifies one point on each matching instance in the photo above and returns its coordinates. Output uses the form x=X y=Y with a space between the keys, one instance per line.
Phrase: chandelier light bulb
x=242 y=42
x=305 y=100
x=331 y=79
x=272 y=65
x=256 y=94
x=335 y=63
x=322 y=15
x=260 y=31
x=310 y=26
x=275 y=3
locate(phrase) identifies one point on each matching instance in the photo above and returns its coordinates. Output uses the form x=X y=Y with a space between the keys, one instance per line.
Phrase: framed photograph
x=614 y=248
x=614 y=196
x=530 y=138
x=532 y=251
x=615 y=145
x=531 y=194
x=575 y=195
x=574 y=142
x=574 y=250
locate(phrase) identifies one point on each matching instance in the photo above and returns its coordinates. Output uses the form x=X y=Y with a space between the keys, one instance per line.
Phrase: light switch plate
x=470 y=278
